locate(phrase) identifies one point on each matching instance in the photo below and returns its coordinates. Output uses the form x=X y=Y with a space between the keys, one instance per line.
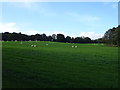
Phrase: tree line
x=6 y=36
x=111 y=37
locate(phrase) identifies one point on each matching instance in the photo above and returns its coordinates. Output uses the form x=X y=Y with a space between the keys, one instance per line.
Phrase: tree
x=44 y=37
x=60 y=38
x=54 y=37
x=87 y=40
x=38 y=37
x=112 y=36
x=68 y=39
x=79 y=40
x=72 y=40
x=5 y=36
x=32 y=37
x=49 y=38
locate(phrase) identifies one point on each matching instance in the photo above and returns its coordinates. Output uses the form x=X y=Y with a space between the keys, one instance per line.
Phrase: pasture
x=59 y=65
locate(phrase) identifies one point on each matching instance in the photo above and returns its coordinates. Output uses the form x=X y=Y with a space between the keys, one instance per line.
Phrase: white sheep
x=35 y=45
x=75 y=46
x=32 y=45
x=72 y=46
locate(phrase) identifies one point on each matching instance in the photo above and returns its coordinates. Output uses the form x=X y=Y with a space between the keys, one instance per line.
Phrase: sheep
x=72 y=46
x=35 y=45
x=32 y=45
x=75 y=46
x=46 y=44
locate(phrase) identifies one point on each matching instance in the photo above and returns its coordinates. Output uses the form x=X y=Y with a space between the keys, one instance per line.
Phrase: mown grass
x=58 y=65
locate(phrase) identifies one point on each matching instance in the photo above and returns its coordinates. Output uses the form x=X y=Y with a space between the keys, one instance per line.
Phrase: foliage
x=6 y=36
x=60 y=38
x=112 y=36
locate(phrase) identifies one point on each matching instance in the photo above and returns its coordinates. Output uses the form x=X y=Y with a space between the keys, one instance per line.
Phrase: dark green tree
x=68 y=39
x=112 y=36
x=60 y=38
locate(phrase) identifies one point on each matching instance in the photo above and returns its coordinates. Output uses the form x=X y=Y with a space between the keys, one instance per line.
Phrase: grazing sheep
x=46 y=44
x=32 y=45
x=75 y=46
x=35 y=45
x=72 y=46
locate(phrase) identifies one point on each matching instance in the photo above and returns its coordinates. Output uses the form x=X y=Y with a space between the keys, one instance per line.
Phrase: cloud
x=106 y=3
x=90 y=18
x=58 y=32
x=91 y=35
x=85 y=18
x=115 y=6
x=13 y=27
x=40 y=8
x=30 y=32
x=52 y=32
x=27 y=5
x=8 y=27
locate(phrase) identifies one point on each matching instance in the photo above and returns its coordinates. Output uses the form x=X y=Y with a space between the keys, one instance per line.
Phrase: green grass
x=58 y=65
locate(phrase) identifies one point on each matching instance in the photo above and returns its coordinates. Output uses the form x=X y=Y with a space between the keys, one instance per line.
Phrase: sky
x=75 y=19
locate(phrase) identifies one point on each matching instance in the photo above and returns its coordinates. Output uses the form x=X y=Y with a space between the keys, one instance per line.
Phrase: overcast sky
x=75 y=19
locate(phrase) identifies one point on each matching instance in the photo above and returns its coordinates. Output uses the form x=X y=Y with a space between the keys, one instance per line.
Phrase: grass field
x=58 y=65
